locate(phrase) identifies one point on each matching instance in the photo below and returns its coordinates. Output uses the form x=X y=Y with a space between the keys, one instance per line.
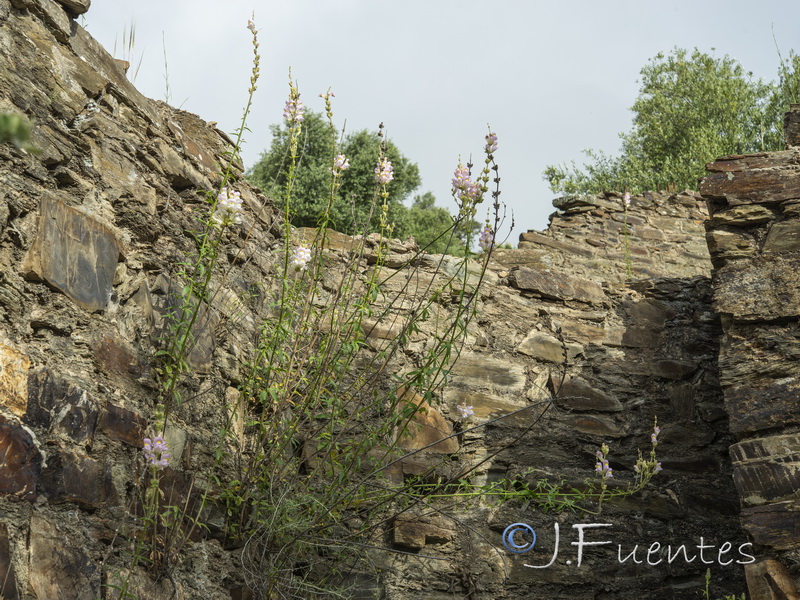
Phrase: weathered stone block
x=122 y=425
x=14 y=367
x=488 y=406
x=79 y=479
x=775 y=525
x=74 y=253
x=783 y=237
x=21 y=461
x=557 y=286
x=769 y=580
x=548 y=348
x=60 y=406
x=744 y=215
x=767 y=469
x=416 y=531
x=76 y=7
x=756 y=186
x=118 y=357
x=762 y=288
x=426 y=427
x=8 y=579
x=387 y=328
x=762 y=404
x=482 y=371
x=56 y=568
x=726 y=244
x=598 y=426
x=578 y=394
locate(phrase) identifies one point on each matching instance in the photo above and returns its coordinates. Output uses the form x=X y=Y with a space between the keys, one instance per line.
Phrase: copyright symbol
x=511 y=544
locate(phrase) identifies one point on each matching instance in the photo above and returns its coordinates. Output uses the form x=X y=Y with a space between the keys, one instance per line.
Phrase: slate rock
x=14 y=367
x=774 y=525
x=122 y=425
x=557 y=286
x=545 y=347
x=61 y=407
x=578 y=394
x=425 y=428
x=783 y=237
x=416 y=531
x=482 y=371
x=56 y=568
x=8 y=579
x=22 y=461
x=74 y=253
x=69 y=477
x=767 y=469
x=769 y=579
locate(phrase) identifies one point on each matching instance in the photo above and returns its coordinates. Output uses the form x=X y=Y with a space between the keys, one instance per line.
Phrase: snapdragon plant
x=346 y=358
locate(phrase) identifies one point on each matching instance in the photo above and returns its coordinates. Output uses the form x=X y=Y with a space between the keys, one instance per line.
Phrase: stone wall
x=636 y=350
x=92 y=231
x=754 y=237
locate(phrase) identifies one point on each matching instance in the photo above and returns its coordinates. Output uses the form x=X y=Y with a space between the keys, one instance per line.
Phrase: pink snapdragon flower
x=491 y=143
x=293 y=110
x=601 y=467
x=463 y=186
x=384 y=172
x=486 y=238
x=340 y=163
x=229 y=207
x=466 y=411
x=301 y=257
x=156 y=452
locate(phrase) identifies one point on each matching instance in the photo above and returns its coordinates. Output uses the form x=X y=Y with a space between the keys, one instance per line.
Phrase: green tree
x=355 y=206
x=690 y=110
x=429 y=224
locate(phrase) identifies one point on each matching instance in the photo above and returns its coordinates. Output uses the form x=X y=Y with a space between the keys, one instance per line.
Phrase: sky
x=551 y=78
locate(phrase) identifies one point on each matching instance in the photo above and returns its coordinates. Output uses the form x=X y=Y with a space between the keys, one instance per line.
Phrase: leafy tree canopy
x=355 y=201
x=690 y=110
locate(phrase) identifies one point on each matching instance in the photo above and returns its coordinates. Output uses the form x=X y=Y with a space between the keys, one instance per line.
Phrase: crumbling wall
x=635 y=350
x=754 y=238
x=92 y=232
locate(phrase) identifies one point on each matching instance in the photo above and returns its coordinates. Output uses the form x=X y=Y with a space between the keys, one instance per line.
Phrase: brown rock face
x=57 y=570
x=14 y=367
x=74 y=253
x=122 y=425
x=21 y=461
x=754 y=235
x=557 y=286
x=8 y=580
x=426 y=428
x=101 y=216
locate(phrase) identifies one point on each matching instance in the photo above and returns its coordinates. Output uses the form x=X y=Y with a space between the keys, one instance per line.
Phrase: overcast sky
x=550 y=77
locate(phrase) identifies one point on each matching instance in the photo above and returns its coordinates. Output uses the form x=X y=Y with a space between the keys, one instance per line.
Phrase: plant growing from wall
x=304 y=473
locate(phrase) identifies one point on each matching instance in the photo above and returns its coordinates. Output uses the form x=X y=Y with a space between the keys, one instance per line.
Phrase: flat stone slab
x=14 y=367
x=760 y=289
x=21 y=461
x=557 y=286
x=767 y=469
x=74 y=253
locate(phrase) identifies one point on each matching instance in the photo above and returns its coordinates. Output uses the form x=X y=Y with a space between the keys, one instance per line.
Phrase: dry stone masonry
x=608 y=319
x=754 y=238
